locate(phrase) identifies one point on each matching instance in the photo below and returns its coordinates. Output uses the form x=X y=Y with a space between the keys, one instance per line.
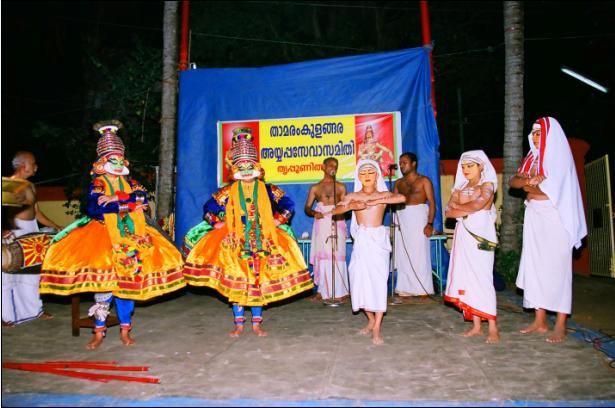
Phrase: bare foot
x=125 y=337
x=8 y=324
x=258 y=330
x=377 y=338
x=46 y=316
x=557 y=336
x=535 y=328
x=493 y=337
x=472 y=332
x=237 y=332
x=96 y=341
x=366 y=330
x=316 y=297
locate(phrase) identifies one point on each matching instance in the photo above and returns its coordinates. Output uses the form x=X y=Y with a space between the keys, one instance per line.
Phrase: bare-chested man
x=20 y=298
x=470 y=272
x=553 y=224
x=415 y=220
x=323 y=245
x=369 y=263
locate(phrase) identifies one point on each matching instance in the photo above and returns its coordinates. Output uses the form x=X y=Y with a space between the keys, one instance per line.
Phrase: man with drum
x=21 y=301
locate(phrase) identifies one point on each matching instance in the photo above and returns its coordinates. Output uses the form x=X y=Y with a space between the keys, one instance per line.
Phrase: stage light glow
x=584 y=79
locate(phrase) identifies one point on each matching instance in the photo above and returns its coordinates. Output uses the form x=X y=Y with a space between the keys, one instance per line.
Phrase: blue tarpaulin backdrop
x=382 y=82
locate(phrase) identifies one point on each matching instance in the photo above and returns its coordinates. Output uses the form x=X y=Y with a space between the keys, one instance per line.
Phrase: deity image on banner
x=375 y=140
x=227 y=132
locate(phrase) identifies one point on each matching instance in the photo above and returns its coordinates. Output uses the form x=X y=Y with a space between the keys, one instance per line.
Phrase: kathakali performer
x=112 y=251
x=245 y=248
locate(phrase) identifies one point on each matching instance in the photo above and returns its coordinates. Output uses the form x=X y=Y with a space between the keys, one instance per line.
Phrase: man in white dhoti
x=554 y=223
x=470 y=272
x=323 y=246
x=20 y=298
x=369 y=262
x=415 y=221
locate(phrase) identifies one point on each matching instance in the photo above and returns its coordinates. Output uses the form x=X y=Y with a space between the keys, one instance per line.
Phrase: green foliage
x=123 y=87
x=507 y=265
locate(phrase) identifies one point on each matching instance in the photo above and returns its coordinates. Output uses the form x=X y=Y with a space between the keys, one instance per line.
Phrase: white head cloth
x=561 y=183
x=487 y=175
x=381 y=185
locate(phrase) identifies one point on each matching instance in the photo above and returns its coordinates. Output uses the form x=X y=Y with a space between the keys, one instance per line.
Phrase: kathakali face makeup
x=116 y=165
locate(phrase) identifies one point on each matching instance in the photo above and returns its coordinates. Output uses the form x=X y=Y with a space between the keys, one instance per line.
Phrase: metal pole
x=333 y=302
x=394 y=300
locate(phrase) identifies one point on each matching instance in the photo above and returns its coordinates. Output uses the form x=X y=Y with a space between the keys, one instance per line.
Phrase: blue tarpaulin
x=382 y=82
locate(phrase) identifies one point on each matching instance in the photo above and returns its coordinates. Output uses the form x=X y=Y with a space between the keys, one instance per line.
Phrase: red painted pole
x=427 y=43
x=183 y=46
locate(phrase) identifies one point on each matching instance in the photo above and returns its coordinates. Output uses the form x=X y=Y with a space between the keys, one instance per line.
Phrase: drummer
x=21 y=301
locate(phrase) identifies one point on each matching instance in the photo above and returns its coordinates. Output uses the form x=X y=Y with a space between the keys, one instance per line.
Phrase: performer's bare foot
x=237 y=332
x=367 y=329
x=535 y=327
x=316 y=297
x=46 y=316
x=559 y=330
x=474 y=331
x=558 y=336
x=493 y=337
x=125 y=337
x=377 y=338
x=258 y=330
x=96 y=341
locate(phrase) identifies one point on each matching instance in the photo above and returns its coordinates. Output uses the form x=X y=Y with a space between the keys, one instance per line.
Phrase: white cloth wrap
x=320 y=255
x=412 y=252
x=369 y=268
x=470 y=270
x=545 y=269
x=20 y=299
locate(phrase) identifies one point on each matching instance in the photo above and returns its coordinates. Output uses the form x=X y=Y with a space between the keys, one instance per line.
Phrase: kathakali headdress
x=110 y=149
x=245 y=163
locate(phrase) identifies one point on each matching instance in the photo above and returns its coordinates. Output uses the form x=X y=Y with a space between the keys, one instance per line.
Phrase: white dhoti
x=470 y=272
x=320 y=255
x=369 y=268
x=545 y=269
x=20 y=299
x=412 y=252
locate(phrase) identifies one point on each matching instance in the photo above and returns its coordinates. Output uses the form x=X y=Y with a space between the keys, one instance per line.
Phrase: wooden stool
x=79 y=322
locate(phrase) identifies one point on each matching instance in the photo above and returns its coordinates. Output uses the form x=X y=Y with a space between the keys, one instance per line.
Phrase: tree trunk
x=513 y=121
x=168 y=110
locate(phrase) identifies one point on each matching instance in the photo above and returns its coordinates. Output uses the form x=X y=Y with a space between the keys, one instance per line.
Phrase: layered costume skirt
x=83 y=261
x=249 y=279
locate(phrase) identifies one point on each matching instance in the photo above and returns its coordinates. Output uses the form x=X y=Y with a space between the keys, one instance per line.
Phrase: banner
x=293 y=150
x=396 y=83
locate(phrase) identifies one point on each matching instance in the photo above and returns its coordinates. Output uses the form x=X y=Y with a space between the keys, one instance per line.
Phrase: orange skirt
x=282 y=270
x=82 y=262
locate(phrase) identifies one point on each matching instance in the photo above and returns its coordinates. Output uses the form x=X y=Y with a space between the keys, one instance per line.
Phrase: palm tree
x=168 y=109
x=513 y=121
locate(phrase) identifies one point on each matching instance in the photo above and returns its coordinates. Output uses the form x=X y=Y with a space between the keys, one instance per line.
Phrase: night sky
x=43 y=54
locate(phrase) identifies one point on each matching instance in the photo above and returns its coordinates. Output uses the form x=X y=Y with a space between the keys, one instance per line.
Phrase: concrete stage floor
x=312 y=356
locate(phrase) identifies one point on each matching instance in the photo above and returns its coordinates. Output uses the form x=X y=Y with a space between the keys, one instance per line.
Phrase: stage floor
x=312 y=356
